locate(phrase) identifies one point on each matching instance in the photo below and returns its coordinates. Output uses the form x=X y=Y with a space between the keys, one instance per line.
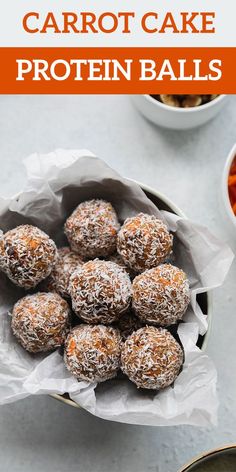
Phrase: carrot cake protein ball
x=144 y=242
x=151 y=358
x=92 y=229
x=27 y=255
x=58 y=280
x=41 y=321
x=92 y=353
x=161 y=295
x=100 y=291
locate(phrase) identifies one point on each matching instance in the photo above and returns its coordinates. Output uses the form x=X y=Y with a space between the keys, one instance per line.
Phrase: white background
x=13 y=34
x=40 y=434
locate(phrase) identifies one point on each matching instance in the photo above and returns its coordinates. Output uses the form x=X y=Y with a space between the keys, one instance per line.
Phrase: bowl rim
x=198 y=109
x=225 y=191
x=206 y=454
x=161 y=196
x=178 y=212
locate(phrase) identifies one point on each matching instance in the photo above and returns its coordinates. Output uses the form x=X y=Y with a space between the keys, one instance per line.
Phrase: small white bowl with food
x=228 y=194
x=180 y=111
x=229 y=186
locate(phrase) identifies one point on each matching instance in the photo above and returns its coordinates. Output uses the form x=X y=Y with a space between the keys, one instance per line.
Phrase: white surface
x=40 y=434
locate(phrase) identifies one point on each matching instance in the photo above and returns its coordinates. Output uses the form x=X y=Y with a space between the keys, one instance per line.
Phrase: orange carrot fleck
x=232 y=186
x=232 y=180
x=72 y=347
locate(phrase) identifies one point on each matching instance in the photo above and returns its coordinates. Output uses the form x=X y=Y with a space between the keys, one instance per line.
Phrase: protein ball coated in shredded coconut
x=161 y=295
x=92 y=229
x=27 y=255
x=41 y=321
x=151 y=358
x=144 y=242
x=58 y=280
x=92 y=353
x=100 y=291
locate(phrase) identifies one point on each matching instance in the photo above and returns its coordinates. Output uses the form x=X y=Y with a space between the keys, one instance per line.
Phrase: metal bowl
x=204 y=299
x=218 y=460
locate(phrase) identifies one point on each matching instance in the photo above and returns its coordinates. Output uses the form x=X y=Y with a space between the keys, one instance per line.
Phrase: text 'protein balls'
x=92 y=229
x=41 y=321
x=161 y=295
x=100 y=291
x=92 y=353
x=27 y=255
x=58 y=280
x=144 y=242
x=151 y=358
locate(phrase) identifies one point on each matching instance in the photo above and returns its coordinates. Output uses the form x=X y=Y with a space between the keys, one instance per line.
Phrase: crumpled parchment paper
x=56 y=183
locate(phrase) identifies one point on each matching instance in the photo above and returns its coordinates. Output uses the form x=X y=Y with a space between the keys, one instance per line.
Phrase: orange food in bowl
x=232 y=185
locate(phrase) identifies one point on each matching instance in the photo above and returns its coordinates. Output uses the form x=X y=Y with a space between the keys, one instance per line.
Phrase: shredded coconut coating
x=27 y=255
x=41 y=321
x=119 y=261
x=58 y=280
x=92 y=229
x=100 y=291
x=92 y=353
x=144 y=242
x=161 y=295
x=151 y=358
x=128 y=323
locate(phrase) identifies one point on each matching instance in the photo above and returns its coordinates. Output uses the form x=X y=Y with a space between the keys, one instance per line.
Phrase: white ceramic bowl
x=204 y=299
x=178 y=118
x=227 y=209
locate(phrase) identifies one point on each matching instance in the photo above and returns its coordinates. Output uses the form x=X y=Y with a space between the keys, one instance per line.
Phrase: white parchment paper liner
x=57 y=182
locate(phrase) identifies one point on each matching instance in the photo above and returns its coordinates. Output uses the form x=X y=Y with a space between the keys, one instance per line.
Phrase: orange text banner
x=117 y=70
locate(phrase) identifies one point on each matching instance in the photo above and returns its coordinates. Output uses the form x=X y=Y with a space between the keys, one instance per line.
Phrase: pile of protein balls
x=112 y=283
